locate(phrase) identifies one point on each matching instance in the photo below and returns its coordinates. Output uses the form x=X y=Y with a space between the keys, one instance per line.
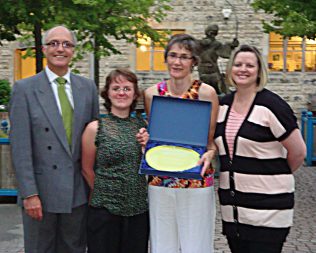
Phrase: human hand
x=33 y=207
x=206 y=160
x=142 y=136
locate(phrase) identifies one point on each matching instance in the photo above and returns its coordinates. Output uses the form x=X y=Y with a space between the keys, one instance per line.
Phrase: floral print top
x=172 y=182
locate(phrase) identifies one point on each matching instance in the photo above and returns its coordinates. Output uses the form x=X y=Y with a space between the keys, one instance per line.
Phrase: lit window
x=310 y=55
x=291 y=54
x=24 y=67
x=149 y=55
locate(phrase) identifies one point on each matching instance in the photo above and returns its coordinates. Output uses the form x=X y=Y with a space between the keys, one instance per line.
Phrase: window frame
x=284 y=51
x=155 y=48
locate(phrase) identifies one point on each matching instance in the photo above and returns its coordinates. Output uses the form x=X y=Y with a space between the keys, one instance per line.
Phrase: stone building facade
x=193 y=16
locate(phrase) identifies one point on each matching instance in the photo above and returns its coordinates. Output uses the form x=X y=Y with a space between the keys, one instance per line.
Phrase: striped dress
x=256 y=189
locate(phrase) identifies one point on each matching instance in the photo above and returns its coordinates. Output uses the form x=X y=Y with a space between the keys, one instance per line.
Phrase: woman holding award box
x=182 y=211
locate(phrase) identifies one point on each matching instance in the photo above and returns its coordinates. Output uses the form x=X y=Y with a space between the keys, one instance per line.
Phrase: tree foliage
x=291 y=17
x=27 y=18
x=94 y=21
x=5 y=92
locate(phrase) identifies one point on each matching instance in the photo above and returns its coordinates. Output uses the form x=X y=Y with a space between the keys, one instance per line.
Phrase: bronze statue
x=211 y=49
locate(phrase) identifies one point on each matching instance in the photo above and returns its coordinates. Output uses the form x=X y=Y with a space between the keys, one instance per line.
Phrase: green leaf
x=290 y=17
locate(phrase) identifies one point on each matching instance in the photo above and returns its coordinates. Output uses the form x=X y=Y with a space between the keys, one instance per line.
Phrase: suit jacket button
x=46 y=129
x=55 y=167
x=49 y=147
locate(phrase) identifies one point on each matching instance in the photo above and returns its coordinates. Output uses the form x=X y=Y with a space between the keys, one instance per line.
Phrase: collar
x=52 y=76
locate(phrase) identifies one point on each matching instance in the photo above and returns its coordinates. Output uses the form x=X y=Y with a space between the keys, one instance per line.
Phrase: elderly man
x=48 y=113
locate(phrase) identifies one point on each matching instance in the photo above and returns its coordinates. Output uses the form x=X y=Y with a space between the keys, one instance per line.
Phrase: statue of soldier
x=211 y=49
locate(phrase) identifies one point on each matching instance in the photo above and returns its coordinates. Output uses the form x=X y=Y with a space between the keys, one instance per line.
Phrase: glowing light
x=143 y=48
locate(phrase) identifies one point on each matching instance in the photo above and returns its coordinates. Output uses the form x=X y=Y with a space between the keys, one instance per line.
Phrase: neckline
x=113 y=116
x=186 y=94
x=239 y=114
x=250 y=107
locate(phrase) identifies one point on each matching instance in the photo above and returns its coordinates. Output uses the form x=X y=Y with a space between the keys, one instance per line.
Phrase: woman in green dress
x=118 y=208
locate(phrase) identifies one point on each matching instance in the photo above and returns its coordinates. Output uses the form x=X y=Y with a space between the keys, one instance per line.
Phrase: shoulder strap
x=162 y=88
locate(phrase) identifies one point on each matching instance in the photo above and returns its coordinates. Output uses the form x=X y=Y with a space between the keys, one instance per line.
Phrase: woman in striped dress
x=260 y=146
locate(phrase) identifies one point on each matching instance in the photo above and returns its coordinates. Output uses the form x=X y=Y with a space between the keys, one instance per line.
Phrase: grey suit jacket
x=43 y=161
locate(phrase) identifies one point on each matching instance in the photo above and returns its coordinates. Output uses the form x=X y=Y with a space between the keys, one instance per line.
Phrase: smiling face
x=121 y=94
x=245 y=69
x=179 y=61
x=58 y=57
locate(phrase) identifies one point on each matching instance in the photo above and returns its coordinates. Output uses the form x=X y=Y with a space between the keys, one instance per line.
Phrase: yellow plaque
x=171 y=158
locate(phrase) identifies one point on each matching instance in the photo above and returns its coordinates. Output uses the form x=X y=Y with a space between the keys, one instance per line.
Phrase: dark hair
x=262 y=68
x=114 y=75
x=188 y=42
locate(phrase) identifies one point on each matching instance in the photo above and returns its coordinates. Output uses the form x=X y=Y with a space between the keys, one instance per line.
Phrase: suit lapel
x=47 y=101
x=79 y=103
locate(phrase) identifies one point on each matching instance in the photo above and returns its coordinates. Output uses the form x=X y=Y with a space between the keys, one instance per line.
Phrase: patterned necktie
x=66 y=108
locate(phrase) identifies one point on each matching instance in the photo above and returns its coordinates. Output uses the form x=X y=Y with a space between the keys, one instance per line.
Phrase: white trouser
x=182 y=220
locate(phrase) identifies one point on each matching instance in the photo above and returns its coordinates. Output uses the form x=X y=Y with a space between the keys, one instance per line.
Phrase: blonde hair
x=262 y=68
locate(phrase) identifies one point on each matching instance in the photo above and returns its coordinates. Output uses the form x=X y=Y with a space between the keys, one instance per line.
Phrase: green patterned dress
x=118 y=187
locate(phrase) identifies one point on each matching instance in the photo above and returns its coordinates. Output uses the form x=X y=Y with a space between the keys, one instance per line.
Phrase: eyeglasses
x=182 y=58
x=55 y=44
x=125 y=89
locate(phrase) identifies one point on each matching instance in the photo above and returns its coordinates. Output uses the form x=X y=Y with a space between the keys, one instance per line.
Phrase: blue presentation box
x=177 y=122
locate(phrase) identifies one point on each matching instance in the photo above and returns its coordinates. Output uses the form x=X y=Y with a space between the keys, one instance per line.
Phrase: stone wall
x=296 y=88
x=193 y=16
x=7 y=61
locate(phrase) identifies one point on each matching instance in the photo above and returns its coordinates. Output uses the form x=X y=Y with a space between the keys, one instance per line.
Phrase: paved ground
x=302 y=238
x=10 y=229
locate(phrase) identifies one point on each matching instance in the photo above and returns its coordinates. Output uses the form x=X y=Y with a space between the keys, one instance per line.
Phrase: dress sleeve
x=282 y=120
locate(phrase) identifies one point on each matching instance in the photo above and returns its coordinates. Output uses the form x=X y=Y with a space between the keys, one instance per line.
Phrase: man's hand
x=33 y=207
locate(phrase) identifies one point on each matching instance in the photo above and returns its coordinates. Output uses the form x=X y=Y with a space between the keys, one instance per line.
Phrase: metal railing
x=3 y=191
x=307 y=130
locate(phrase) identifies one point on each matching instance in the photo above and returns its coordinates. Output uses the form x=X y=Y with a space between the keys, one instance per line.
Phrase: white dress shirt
x=52 y=79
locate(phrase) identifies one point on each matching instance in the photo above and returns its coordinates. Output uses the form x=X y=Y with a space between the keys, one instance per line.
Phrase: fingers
x=33 y=207
x=206 y=164
x=206 y=160
x=142 y=130
x=142 y=136
x=204 y=168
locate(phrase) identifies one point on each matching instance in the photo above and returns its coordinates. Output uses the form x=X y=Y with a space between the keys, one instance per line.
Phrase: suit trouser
x=56 y=232
x=109 y=233
x=181 y=220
